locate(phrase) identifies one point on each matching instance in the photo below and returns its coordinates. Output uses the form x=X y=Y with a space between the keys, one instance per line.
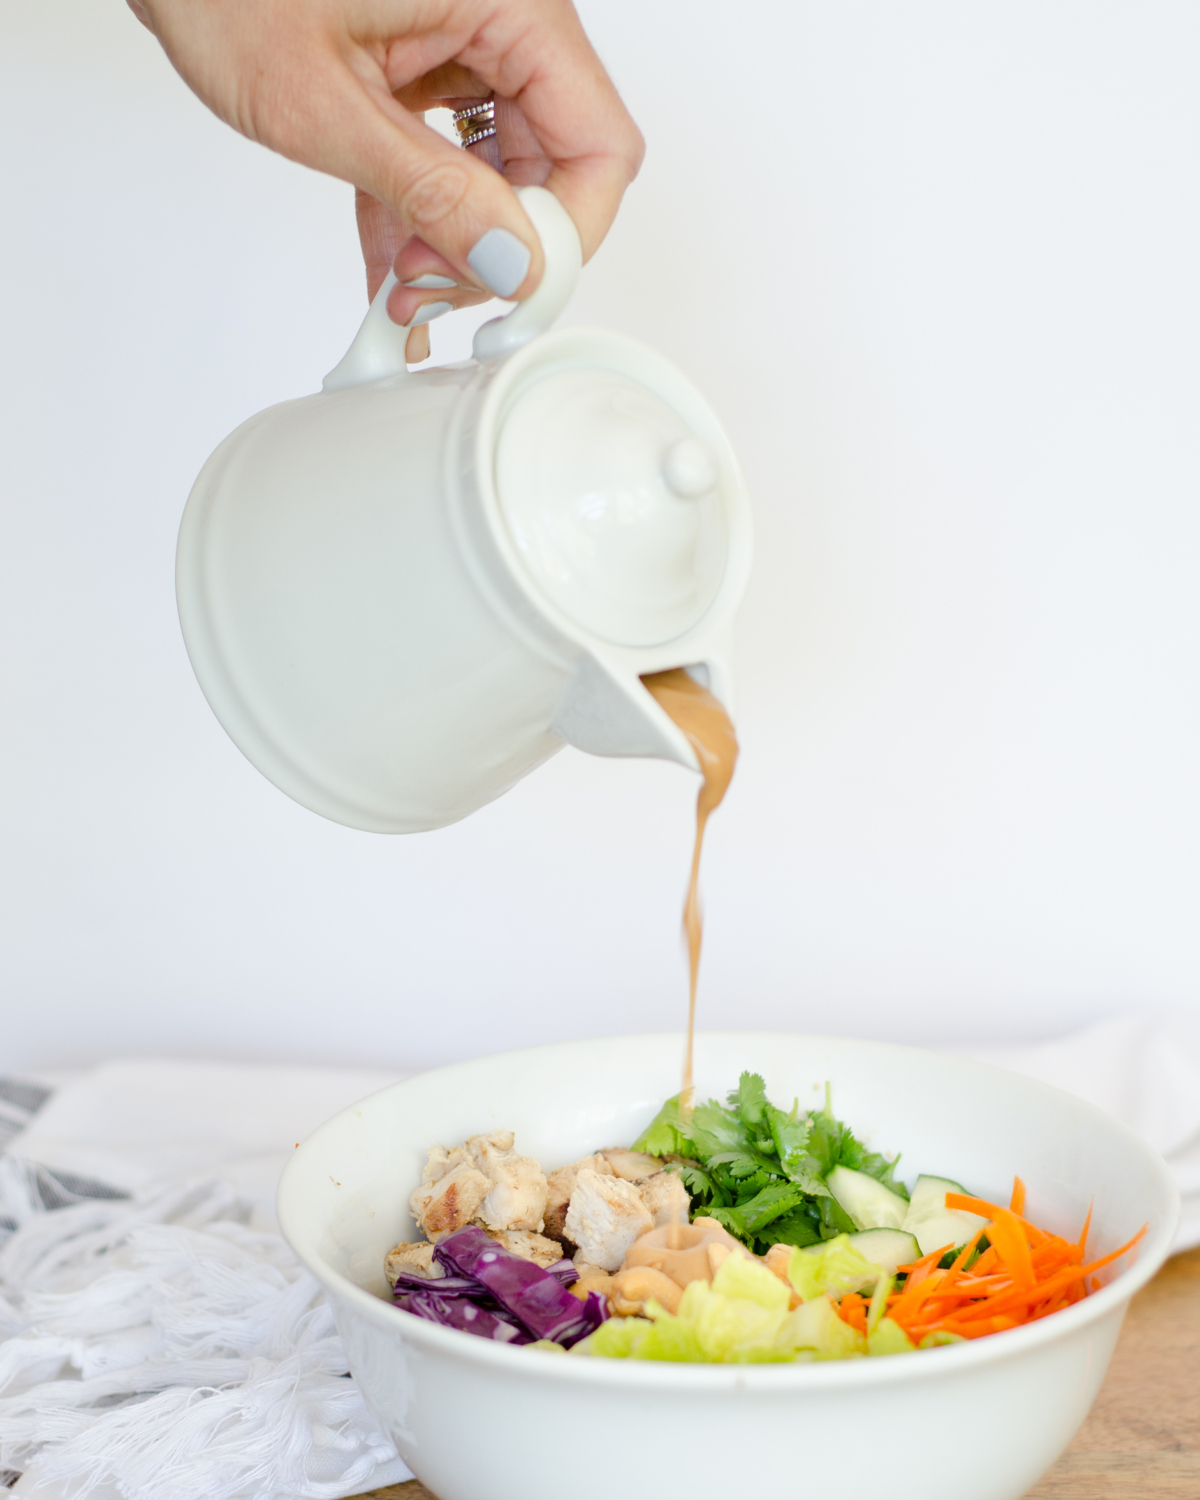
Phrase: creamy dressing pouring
x=709 y=731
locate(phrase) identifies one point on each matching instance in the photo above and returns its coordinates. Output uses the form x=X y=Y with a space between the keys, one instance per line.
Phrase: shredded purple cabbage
x=447 y=1286
x=459 y=1311
x=536 y=1299
x=495 y=1294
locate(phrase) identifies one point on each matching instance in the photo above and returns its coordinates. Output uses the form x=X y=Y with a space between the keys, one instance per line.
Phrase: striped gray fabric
x=42 y=1189
x=19 y=1102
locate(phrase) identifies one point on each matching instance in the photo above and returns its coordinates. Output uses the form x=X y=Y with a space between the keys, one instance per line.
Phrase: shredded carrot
x=920 y=1269
x=1024 y=1274
x=986 y=1210
x=1087 y=1224
x=1011 y=1243
x=970 y=1205
x=956 y=1273
x=853 y=1310
x=908 y=1303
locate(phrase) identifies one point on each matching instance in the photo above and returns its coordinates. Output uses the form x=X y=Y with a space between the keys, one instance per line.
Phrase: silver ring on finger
x=475 y=123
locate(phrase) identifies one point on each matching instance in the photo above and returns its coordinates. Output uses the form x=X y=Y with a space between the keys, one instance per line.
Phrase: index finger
x=553 y=73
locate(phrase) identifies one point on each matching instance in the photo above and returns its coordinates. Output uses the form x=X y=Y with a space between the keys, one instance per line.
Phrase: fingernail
x=430 y=282
x=500 y=261
x=430 y=311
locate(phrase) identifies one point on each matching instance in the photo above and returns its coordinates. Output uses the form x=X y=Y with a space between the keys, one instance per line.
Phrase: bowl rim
x=537 y=1364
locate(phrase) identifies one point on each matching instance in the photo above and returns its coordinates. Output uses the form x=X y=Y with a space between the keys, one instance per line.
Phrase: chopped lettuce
x=616 y=1339
x=745 y=1316
x=733 y=1330
x=821 y=1334
x=835 y=1269
x=749 y=1281
x=877 y=1311
x=662 y=1338
x=940 y=1338
x=742 y=1318
x=759 y=1170
x=886 y=1338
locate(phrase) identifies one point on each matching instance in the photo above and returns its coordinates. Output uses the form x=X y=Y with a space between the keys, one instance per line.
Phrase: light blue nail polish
x=500 y=261
x=430 y=311
x=429 y=283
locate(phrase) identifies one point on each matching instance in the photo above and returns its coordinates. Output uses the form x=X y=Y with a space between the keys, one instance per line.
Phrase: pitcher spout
x=606 y=712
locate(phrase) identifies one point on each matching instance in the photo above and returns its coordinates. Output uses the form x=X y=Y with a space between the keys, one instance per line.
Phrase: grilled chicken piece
x=516 y=1195
x=412 y=1258
x=605 y=1217
x=535 y=1247
x=666 y=1198
x=483 y=1180
x=450 y=1200
x=441 y=1161
x=415 y=1258
x=560 y=1184
x=632 y=1166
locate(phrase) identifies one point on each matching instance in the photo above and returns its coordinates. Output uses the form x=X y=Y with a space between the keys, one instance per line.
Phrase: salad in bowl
x=531 y=1251
x=727 y=1234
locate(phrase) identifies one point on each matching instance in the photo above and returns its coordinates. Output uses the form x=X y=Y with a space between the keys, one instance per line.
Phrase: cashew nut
x=633 y=1288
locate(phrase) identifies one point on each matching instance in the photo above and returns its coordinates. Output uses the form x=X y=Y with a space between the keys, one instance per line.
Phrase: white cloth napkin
x=141 y=1122
x=1147 y=1073
x=168 y=1343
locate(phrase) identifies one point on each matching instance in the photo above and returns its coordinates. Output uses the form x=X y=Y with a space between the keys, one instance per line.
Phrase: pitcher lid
x=613 y=497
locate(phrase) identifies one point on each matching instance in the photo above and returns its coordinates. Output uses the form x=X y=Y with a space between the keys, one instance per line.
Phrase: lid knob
x=689 y=468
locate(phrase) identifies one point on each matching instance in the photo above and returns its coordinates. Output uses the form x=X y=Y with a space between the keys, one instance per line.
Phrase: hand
x=340 y=84
x=426 y=278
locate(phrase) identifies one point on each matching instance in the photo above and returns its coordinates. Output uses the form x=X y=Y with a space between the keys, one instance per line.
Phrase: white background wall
x=936 y=265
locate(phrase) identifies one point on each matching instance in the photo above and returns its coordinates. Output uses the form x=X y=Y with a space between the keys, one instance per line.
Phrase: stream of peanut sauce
x=710 y=733
x=697 y=712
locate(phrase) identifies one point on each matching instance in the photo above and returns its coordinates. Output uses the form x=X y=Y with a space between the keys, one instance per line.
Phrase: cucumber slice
x=933 y=1224
x=929 y=1194
x=867 y=1202
x=887 y=1248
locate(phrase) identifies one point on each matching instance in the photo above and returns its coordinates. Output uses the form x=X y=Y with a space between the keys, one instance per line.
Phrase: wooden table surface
x=1142 y=1439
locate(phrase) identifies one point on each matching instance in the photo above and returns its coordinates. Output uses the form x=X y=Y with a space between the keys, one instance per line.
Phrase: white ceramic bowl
x=481 y=1421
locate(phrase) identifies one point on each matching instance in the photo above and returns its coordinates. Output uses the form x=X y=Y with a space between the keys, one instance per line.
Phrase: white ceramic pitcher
x=406 y=592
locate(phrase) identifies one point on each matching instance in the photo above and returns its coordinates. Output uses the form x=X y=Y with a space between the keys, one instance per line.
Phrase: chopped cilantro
x=749 y=1099
x=760 y=1170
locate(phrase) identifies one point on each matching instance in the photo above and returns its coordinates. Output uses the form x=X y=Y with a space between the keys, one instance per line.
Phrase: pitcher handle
x=378 y=347
x=379 y=344
x=564 y=259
